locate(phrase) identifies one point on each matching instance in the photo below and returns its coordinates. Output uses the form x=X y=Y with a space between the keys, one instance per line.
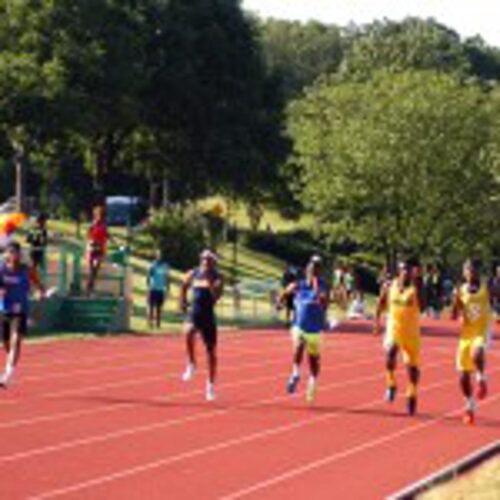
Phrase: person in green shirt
x=158 y=283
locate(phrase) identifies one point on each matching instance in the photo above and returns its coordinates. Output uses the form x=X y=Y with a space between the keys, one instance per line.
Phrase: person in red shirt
x=97 y=240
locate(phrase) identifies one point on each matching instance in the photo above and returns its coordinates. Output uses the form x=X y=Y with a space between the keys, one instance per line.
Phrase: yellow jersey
x=476 y=316
x=403 y=311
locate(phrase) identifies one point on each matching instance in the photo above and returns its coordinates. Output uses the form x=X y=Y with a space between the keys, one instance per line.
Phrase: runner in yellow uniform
x=473 y=304
x=401 y=298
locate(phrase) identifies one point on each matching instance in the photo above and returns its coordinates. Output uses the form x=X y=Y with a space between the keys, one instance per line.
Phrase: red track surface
x=111 y=419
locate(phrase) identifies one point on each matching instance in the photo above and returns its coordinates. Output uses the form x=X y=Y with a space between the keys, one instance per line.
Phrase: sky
x=467 y=17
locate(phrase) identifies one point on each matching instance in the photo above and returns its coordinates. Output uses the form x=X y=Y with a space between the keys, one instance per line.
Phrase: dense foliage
x=391 y=141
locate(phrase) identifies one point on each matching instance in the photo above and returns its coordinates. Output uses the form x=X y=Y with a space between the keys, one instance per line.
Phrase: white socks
x=470 y=404
x=7 y=374
x=480 y=377
x=296 y=370
x=189 y=372
x=210 y=391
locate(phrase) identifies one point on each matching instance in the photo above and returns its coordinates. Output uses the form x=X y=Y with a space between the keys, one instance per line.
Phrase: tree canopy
x=401 y=163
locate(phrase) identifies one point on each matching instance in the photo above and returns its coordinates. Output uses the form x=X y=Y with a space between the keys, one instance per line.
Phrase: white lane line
x=121 y=354
x=163 y=424
x=335 y=457
x=164 y=360
x=134 y=381
x=212 y=448
x=164 y=399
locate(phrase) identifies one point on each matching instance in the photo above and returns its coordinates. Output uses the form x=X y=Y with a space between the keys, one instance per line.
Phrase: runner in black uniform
x=207 y=287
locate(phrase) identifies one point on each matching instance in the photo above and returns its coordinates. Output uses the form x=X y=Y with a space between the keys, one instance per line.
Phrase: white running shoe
x=210 y=392
x=188 y=373
x=4 y=380
x=6 y=377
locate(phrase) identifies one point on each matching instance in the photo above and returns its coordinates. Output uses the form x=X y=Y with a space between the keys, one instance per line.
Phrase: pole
x=235 y=253
x=20 y=180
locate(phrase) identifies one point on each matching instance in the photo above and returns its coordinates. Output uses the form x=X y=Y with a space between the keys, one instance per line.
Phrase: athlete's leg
x=17 y=329
x=412 y=391
x=298 y=357
x=189 y=334
x=466 y=384
x=470 y=404
x=390 y=372
x=159 y=314
x=94 y=266
x=209 y=333
x=479 y=358
x=315 y=365
x=6 y=336
x=150 y=310
x=465 y=367
x=212 y=363
x=313 y=345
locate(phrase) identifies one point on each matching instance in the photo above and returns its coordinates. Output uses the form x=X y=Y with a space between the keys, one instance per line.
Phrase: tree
x=213 y=109
x=300 y=53
x=173 y=92
x=401 y=163
x=31 y=82
x=398 y=46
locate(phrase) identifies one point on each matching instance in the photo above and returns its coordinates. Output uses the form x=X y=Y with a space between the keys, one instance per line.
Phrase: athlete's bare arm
x=35 y=281
x=381 y=306
x=186 y=283
x=218 y=288
x=457 y=305
x=289 y=290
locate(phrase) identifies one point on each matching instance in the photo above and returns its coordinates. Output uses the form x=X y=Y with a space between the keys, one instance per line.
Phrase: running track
x=110 y=418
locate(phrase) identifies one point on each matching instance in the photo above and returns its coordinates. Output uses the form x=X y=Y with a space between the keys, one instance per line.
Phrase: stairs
x=87 y=315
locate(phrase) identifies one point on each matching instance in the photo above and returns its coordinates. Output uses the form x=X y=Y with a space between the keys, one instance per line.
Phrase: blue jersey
x=309 y=312
x=15 y=284
x=203 y=298
x=158 y=277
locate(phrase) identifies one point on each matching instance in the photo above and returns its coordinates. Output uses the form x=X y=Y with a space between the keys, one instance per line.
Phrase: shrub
x=180 y=235
x=295 y=247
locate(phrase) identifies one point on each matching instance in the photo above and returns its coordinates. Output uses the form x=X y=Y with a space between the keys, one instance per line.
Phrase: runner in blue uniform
x=207 y=288
x=16 y=279
x=311 y=302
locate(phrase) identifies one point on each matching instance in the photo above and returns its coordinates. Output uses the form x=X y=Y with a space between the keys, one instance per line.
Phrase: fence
x=250 y=302
x=66 y=270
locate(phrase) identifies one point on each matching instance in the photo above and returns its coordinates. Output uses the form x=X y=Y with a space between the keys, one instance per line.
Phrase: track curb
x=448 y=473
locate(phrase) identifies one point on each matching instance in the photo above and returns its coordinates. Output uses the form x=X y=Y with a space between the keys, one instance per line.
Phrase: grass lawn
x=481 y=484
x=257 y=272
x=250 y=266
x=271 y=218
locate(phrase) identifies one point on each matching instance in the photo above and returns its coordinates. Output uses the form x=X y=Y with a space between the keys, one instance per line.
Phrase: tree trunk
x=20 y=191
x=165 y=192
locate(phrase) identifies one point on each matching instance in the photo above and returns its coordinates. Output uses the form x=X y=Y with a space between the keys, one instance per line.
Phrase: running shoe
x=311 y=392
x=188 y=373
x=469 y=417
x=411 y=405
x=390 y=394
x=6 y=378
x=292 y=384
x=210 y=392
x=482 y=389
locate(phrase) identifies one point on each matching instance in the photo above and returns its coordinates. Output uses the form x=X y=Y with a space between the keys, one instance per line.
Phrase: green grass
x=250 y=265
x=238 y=214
